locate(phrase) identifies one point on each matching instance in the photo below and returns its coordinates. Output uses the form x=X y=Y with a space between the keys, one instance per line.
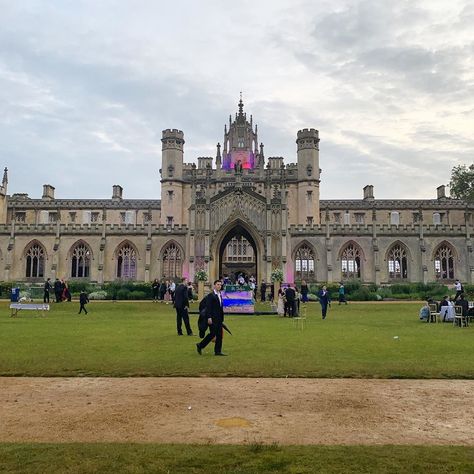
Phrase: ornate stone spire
x=241 y=106
x=5 y=177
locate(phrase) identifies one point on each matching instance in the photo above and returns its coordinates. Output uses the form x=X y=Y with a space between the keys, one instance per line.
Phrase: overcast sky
x=86 y=87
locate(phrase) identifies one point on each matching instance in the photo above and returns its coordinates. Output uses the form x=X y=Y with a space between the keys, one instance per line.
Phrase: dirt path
x=231 y=410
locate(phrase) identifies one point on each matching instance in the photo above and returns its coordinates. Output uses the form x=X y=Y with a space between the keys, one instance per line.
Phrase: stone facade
x=237 y=211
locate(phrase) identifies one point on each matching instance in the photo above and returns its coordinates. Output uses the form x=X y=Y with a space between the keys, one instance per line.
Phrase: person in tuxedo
x=324 y=300
x=215 y=319
x=290 y=297
x=47 y=289
x=181 y=304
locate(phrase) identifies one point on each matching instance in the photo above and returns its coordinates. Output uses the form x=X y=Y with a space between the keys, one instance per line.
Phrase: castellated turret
x=307 y=142
x=172 y=190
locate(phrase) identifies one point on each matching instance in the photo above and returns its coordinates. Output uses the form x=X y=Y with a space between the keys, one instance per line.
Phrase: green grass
x=193 y=459
x=139 y=339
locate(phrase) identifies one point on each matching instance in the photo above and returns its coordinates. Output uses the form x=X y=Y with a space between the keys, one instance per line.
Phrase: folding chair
x=298 y=321
x=459 y=319
x=434 y=315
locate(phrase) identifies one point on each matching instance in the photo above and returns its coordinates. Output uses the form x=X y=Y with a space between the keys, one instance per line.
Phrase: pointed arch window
x=397 y=262
x=126 y=262
x=35 y=256
x=172 y=261
x=304 y=263
x=239 y=249
x=80 y=261
x=350 y=261
x=444 y=263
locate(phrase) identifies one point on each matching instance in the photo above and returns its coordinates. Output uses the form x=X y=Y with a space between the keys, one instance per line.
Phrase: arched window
x=304 y=263
x=35 y=261
x=397 y=262
x=172 y=261
x=350 y=261
x=126 y=262
x=80 y=261
x=239 y=249
x=444 y=263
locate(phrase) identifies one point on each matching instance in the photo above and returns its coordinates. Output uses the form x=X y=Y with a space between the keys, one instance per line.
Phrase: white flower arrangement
x=277 y=275
x=201 y=275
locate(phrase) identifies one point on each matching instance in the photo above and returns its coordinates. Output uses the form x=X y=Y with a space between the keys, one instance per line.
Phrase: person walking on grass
x=342 y=294
x=181 y=304
x=83 y=300
x=215 y=319
x=324 y=300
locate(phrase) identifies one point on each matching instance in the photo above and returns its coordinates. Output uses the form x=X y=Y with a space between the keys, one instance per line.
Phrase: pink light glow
x=289 y=272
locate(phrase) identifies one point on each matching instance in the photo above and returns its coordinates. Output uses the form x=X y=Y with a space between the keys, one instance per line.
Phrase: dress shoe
x=198 y=348
x=220 y=354
x=191 y=334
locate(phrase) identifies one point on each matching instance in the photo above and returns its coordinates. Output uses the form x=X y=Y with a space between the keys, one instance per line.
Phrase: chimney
x=48 y=192
x=369 y=192
x=441 y=191
x=117 y=192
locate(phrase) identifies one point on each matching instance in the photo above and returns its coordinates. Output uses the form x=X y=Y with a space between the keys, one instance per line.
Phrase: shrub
x=363 y=294
x=98 y=295
x=137 y=295
x=123 y=294
x=312 y=297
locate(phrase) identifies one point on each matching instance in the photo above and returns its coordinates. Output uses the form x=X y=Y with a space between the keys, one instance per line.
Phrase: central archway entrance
x=238 y=254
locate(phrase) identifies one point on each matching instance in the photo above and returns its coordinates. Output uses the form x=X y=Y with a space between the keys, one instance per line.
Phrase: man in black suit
x=263 y=290
x=47 y=289
x=290 y=296
x=181 y=303
x=464 y=305
x=215 y=319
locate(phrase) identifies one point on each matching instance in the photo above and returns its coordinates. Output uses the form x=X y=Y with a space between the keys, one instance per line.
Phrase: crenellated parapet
x=72 y=204
x=93 y=229
x=172 y=139
x=308 y=138
x=379 y=230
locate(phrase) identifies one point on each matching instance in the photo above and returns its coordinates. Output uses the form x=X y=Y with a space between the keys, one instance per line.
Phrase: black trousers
x=182 y=316
x=324 y=309
x=83 y=307
x=215 y=331
x=46 y=297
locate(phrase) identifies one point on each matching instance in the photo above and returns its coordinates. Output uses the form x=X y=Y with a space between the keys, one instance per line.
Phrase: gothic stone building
x=236 y=212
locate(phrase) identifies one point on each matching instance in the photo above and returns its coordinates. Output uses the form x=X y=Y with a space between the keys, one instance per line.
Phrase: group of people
x=61 y=291
x=211 y=315
x=165 y=291
x=445 y=307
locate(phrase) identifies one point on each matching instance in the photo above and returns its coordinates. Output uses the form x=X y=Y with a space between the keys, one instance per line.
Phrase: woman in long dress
x=281 y=303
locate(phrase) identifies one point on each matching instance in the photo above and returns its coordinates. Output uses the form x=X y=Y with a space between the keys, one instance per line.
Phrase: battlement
x=308 y=133
x=173 y=133
x=384 y=229
x=92 y=229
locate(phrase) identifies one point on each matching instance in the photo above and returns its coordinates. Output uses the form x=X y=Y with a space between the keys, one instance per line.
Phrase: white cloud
x=86 y=88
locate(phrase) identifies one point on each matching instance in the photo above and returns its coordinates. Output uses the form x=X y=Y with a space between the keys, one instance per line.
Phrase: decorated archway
x=237 y=248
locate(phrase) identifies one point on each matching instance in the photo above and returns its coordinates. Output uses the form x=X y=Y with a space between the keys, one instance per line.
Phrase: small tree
x=462 y=182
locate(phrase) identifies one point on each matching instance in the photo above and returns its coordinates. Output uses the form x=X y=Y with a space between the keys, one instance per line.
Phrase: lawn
x=192 y=459
x=365 y=340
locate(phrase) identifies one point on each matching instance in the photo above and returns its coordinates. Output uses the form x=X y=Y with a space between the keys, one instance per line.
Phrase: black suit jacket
x=181 y=297
x=464 y=305
x=290 y=295
x=214 y=308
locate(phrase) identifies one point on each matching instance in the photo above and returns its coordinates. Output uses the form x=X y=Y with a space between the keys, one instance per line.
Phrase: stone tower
x=172 y=206
x=308 y=176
